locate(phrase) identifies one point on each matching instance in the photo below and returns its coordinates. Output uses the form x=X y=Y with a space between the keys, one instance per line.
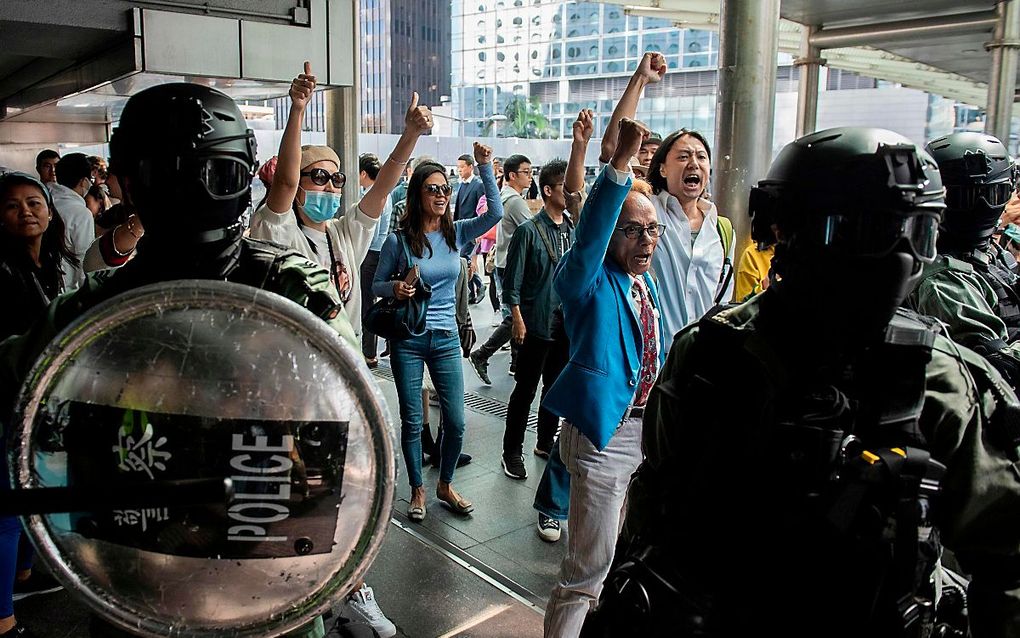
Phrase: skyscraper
x=405 y=47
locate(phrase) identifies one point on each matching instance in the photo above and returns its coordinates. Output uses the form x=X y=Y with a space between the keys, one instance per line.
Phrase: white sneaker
x=363 y=608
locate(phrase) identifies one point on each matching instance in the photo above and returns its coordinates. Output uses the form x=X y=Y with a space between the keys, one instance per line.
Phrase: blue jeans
x=553 y=495
x=440 y=351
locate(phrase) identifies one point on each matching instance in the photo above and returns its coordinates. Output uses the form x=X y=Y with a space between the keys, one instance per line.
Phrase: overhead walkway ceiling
x=68 y=66
x=932 y=45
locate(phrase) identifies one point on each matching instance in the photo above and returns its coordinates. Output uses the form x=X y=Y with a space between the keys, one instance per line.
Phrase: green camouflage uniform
x=951 y=291
x=709 y=493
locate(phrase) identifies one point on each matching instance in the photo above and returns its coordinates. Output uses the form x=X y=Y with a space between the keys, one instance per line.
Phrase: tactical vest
x=833 y=477
x=992 y=266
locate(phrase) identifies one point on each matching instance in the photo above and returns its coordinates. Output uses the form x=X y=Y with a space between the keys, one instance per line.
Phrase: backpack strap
x=724 y=227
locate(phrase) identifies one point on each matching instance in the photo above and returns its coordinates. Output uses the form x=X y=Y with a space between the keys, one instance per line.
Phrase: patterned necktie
x=650 y=350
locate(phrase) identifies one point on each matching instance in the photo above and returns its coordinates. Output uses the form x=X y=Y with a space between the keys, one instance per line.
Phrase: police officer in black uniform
x=807 y=450
x=978 y=174
x=185 y=159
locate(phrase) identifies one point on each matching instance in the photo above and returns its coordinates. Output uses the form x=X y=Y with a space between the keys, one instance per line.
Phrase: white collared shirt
x=687 y=268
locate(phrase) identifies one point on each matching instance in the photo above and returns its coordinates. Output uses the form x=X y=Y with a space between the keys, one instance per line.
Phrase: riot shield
x=197 y=383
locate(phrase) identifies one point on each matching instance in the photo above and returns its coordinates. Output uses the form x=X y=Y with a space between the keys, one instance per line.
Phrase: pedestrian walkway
x=486 y=575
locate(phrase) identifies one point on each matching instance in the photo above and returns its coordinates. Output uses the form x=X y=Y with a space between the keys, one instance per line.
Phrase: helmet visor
x=224 y=177
x=968 y=197
x=878 y=234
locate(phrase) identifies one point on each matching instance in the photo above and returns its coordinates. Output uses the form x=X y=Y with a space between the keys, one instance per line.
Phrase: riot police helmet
x=186 y=159
x=850 y=192
x=978 y=174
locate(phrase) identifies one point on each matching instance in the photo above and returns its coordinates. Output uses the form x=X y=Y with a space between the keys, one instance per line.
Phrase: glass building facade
x=572 y=55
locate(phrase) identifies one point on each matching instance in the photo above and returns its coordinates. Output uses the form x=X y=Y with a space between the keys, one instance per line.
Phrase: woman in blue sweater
x=435 y=241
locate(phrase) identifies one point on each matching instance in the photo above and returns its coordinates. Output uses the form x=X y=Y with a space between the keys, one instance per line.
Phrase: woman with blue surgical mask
x=302 y=210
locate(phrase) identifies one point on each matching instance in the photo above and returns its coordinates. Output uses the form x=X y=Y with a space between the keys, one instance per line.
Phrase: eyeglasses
x=320 y=177
x=438 y=189
x=634 y=231
x=522 y=172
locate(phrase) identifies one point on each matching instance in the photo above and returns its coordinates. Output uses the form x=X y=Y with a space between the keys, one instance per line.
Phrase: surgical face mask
x=321 y=206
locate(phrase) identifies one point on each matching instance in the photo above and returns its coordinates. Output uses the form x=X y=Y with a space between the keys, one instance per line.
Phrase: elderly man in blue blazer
x=616 y=348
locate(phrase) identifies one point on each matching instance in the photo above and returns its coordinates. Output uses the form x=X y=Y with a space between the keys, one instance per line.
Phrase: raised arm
x=417 y=121
x=651 y=70
x=584 y=126
x=473 y=228
x=288 y=163
x=577 y=271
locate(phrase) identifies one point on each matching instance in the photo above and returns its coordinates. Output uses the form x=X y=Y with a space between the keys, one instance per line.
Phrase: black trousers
x=537 y=359
x=369 y=342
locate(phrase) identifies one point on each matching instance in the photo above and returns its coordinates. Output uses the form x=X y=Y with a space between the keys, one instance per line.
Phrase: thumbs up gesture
x=302 y=86
x=418 y=119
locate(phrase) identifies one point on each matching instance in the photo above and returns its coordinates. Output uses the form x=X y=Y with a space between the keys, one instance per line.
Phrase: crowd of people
x=860 y=309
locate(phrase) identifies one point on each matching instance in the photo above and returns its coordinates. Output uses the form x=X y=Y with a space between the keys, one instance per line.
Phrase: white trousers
x=598 y=491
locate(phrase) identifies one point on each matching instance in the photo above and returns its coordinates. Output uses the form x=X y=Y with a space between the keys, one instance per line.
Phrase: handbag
x=399 y=319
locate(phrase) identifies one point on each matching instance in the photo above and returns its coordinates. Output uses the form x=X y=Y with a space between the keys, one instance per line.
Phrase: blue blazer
x=600 y=380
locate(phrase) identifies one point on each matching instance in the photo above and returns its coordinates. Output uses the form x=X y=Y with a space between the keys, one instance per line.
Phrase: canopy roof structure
x=938 y=46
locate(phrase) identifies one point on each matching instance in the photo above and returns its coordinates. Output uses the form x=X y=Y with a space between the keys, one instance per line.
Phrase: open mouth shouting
x=693 y=184
x=642 y=261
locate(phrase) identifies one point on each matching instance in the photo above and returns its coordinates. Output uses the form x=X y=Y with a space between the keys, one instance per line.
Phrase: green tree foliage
x=524 y=119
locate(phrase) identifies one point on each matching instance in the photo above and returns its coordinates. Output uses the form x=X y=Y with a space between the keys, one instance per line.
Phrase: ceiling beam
x=882 y=65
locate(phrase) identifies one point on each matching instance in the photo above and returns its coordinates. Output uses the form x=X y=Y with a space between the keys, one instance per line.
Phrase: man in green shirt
x=517 y=171
x=537 y=326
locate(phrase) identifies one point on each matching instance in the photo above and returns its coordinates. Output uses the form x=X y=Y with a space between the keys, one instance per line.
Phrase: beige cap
x=639 y=169
x=312 y=154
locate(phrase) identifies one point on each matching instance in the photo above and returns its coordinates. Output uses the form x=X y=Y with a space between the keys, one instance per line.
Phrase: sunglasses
x=321 y=177
x=438 y=189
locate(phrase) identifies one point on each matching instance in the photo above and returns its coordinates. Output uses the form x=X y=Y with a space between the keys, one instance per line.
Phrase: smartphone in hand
x=412 y=276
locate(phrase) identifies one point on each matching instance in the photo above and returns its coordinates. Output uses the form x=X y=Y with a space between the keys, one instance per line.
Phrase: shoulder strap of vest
x=945 y=263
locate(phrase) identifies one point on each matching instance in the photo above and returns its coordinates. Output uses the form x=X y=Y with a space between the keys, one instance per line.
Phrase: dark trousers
x=369 y=342
x=536 y=359
x=475 y=286
x=500 y=337
x=493 y=293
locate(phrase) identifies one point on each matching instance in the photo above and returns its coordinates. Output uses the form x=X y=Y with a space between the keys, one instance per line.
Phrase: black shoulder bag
x=399 y=319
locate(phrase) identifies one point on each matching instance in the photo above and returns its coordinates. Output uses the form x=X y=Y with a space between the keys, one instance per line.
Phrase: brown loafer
x=457 y=505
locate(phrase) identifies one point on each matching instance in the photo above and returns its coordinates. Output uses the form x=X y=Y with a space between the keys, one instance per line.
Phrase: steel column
x=343 y=117
x=1002 y=79
x=745 y=106
x=808 y=63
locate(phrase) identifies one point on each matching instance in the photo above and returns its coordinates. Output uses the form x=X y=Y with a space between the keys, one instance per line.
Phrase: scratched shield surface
x=207 y=380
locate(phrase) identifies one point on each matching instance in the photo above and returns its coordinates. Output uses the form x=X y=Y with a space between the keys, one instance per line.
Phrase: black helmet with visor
x=856 y=192
x=189 y=158
x=978 y=174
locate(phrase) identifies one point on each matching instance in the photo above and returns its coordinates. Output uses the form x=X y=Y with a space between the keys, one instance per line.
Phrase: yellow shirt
x=753 y=272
